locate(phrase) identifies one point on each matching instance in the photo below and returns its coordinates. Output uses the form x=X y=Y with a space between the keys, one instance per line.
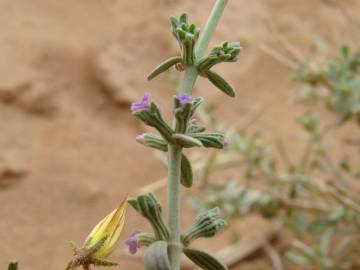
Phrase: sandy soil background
x=68 y=71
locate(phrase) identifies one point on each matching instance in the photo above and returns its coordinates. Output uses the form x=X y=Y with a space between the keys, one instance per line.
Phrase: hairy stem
x=174 y=206
x=174 y=158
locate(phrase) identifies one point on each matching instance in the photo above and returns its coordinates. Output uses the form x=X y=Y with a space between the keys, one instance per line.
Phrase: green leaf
x=337 y=213
x=215 y=140
x=297 y=258
x=154 y=141
x=164 y=66
x=204 y=260
x=345 y=51
x=156 y=257
x=326 y=240
x=186 y=141
x=220 y=83
x=317 y=225
x=13 y=266
x=186 y=177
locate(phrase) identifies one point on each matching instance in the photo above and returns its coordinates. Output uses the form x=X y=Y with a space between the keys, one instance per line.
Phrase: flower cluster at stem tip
x=143 y=104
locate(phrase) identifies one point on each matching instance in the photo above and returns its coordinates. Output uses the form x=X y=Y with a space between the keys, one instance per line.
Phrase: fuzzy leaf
x=186 y=141
x=215 y=140
x=204 y=260
x=186 y=177
x=164 y=66
x=220 y=83
x=154 y=141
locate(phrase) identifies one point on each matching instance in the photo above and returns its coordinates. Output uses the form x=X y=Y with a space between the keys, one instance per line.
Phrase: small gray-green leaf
x=220 y=83
x=203 y=259
x=215 y=140
x=154 y=141
x=298 y=258
x=164 y=66
x=156 y=257
x=186 y=177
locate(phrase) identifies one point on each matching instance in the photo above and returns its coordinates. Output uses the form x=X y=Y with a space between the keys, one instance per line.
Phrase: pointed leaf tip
x=164 y=66
x=220 y=83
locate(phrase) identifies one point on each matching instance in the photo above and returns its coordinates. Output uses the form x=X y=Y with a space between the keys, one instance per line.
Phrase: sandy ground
x=68 y=71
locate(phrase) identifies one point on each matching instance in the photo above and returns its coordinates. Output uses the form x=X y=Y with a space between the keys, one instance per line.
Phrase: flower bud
x=148 y=206
x=184 y=109
x=107 y=230
x=149 y=113
x=206 y=224
x=187 y=35
x=226 y=52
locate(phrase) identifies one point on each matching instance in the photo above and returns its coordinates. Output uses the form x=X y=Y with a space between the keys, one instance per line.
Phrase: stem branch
x=175 y=152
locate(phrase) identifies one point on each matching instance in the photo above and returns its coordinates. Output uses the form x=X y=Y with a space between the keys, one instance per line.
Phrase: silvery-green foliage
x=313 y=194
x=334 y=81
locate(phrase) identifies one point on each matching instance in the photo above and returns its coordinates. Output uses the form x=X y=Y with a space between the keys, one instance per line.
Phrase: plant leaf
x=297 y=258
x=186 y=141
x=186 y=177
x=220 y=83
x=164 y=66
x=203 y=259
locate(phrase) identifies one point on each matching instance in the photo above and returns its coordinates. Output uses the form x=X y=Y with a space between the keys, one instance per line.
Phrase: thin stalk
x=175 y=153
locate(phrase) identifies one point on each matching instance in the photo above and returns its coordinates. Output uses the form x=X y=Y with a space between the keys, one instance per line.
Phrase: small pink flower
x=140 y=139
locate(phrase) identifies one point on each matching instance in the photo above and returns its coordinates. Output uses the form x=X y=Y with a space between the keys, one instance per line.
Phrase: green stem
x=175 y=152
x=174 y=206
x=209 y=28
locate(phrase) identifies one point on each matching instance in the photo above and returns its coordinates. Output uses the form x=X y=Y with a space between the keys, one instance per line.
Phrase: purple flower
x=226 y=142
x=131 y=242
x=143 y=104
x=184 y=99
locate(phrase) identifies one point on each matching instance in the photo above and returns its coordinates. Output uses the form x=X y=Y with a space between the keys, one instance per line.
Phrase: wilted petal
x=110 y=227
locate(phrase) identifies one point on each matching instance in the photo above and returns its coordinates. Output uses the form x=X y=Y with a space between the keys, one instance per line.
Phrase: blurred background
x=70 y=69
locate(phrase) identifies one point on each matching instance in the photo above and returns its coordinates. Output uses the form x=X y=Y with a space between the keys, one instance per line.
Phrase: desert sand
x=68 y=72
